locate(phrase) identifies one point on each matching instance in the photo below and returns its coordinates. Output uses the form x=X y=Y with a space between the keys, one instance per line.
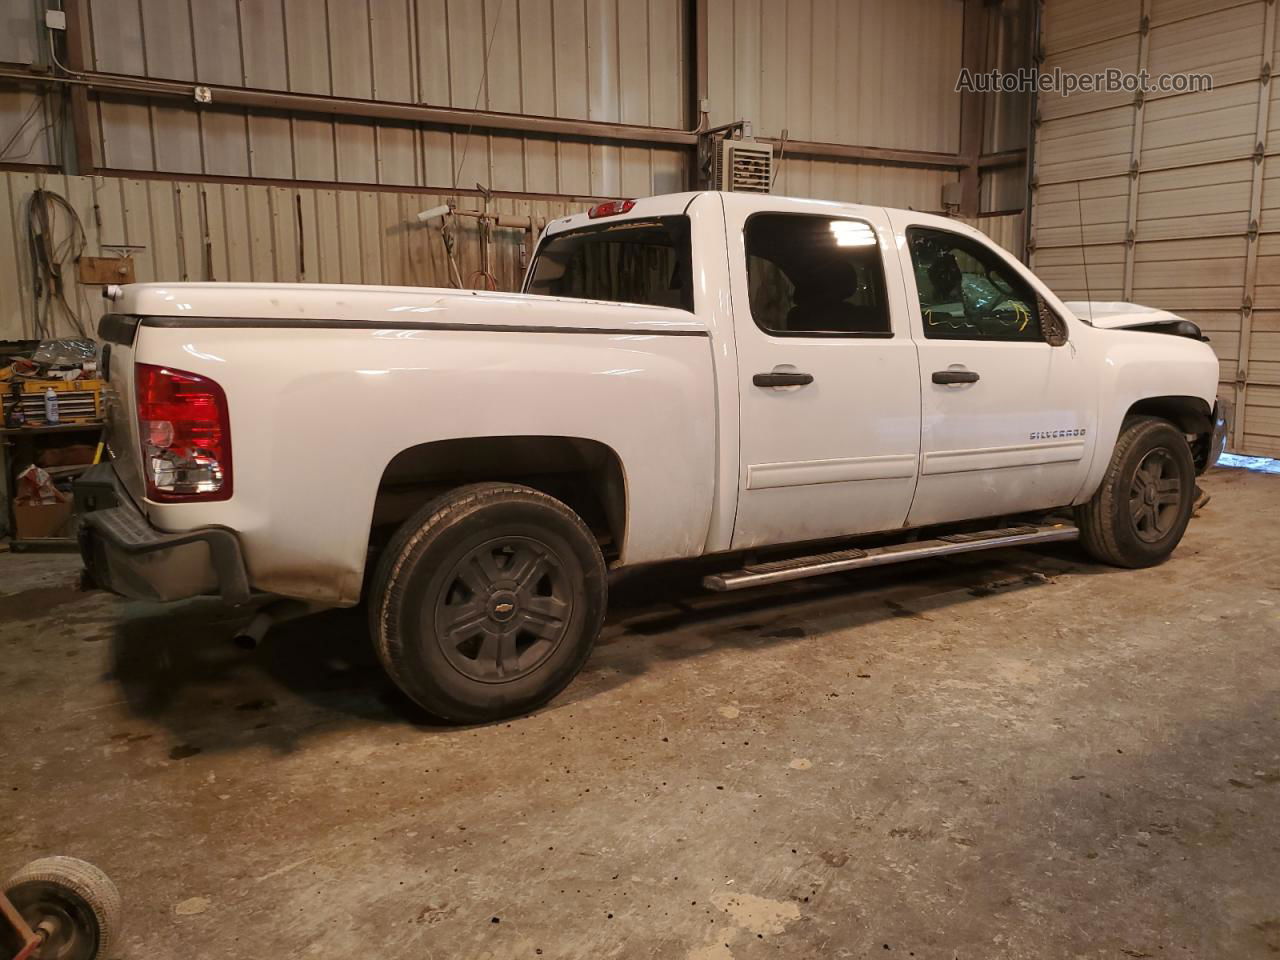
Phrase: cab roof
x=675 y=204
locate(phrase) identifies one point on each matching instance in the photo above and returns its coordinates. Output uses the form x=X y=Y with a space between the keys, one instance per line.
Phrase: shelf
x=50 y=428
x=45 y=545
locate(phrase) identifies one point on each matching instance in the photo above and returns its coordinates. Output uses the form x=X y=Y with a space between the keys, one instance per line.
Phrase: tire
x=487 y=602
x=78 y=903
x=1139 y=513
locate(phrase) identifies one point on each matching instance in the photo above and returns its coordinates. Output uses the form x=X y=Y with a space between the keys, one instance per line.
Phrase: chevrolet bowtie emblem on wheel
x=504 y=608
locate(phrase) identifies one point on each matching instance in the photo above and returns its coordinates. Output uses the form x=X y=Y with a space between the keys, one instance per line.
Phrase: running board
x=776 y=571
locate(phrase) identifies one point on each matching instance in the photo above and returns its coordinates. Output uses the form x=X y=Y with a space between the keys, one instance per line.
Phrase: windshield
x=633 y=261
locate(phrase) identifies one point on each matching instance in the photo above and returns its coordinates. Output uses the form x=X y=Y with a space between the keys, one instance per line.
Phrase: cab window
x=968 y=292
x=632 y=261
x=813 y=276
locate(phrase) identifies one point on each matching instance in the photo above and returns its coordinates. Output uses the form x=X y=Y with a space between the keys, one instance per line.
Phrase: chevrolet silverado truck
x=799 y=387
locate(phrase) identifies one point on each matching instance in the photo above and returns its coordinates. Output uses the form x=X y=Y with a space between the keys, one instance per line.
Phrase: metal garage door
x=1170 y=199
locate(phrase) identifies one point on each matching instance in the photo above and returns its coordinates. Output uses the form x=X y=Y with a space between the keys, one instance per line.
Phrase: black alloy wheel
x=1155 y=496
x=503 y=609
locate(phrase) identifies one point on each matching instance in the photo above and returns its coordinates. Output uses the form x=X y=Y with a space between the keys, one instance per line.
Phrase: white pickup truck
x=682 y=376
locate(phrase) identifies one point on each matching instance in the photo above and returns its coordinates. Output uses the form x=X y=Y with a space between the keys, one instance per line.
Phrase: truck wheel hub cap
x=503 y=605
x=1155 y=496
x=503 y=609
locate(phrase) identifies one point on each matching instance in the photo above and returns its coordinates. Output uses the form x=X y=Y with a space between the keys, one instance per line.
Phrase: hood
x=1118 y=315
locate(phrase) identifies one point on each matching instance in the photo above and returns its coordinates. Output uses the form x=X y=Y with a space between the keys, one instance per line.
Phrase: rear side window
x=634 y=261
x=812 y=276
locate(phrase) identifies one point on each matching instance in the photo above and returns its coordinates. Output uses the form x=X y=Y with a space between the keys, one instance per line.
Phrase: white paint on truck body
x=328 y=383
x=318 y=412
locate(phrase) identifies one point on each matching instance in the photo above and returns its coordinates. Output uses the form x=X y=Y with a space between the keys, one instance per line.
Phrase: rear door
x=827 y=372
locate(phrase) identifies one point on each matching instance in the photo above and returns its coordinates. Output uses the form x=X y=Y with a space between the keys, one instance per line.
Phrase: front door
x=827 y=373
x=1006 y=419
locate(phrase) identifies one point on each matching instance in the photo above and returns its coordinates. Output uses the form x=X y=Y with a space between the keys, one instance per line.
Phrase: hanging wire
x=51 y=256
x=26 y=120
x=484 y=76
x=55 y=122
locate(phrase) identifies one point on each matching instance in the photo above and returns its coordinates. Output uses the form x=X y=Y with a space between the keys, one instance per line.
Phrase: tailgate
x=120 y=333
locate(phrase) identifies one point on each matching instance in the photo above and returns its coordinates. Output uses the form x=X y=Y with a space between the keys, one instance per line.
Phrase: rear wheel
x=488 y=601
x=1139 y=513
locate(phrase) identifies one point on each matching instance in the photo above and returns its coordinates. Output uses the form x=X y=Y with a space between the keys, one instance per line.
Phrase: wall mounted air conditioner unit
x=742 y=166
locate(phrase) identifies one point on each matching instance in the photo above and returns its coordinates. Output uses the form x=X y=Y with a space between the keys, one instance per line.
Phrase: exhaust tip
x=250 y=636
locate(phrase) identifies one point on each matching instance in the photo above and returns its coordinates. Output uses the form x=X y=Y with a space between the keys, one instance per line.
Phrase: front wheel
x=1139 y=513
x=487 y=602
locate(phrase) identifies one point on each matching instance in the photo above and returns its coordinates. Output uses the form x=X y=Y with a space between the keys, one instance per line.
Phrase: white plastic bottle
x=51 y=405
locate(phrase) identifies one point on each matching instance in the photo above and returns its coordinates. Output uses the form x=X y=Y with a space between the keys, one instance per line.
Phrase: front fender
x=1136 y=367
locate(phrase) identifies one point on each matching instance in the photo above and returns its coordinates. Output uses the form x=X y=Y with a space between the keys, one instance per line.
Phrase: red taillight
x=185 y=433
x=611 y=209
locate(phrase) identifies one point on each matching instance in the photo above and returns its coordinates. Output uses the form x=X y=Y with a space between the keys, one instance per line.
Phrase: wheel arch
x=1192 y=415
x=587 y=475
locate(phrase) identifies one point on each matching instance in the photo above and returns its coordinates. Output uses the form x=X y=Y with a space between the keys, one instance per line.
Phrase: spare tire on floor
x=73 y=903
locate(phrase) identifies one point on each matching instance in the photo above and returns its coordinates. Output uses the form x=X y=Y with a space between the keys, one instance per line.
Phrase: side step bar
x=776 y=571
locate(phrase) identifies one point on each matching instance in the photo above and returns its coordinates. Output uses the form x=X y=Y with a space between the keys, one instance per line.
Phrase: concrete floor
x=1013 y=754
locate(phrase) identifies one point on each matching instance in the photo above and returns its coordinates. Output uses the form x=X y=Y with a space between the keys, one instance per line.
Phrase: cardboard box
x=37 y=520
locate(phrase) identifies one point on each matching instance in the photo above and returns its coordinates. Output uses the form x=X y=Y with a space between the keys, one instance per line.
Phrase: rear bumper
x=125 y=554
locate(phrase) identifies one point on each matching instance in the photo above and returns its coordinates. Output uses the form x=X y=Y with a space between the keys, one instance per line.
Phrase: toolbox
x=79 y=401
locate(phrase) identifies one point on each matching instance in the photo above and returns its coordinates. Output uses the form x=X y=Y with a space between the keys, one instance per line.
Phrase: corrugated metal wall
x=823 y=70
x=866 y=72
x=1005 y=229
x=831 y=71
x=28 y=121
x=612 y=60
x=217 y=231
x=1006 y=115
x=229 y=231
x=860 y=72
x=1171 y=202
x=827 y=70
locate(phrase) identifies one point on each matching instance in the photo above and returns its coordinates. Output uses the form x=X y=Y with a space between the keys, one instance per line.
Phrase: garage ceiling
x=1170 y=200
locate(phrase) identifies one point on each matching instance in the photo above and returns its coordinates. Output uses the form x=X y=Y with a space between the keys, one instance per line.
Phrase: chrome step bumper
x=777 y=571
